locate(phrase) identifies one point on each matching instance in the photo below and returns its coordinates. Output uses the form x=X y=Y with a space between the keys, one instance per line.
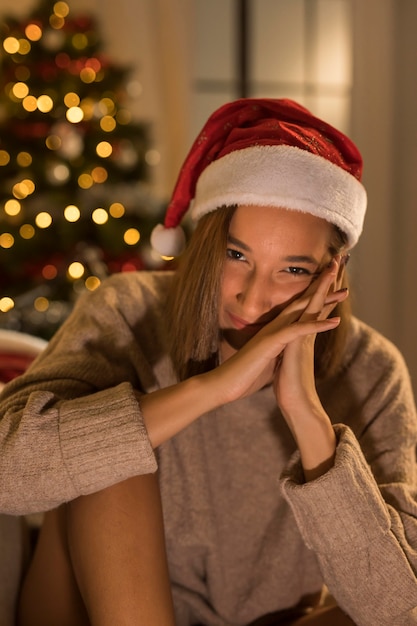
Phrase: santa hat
x=267 y=152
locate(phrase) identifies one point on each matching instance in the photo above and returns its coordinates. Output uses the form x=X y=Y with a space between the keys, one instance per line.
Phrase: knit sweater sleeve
x=72 y=425
x=360 y=518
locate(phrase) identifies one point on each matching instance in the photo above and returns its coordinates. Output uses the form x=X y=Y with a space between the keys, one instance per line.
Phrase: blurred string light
x=6 y=304
x=65 y=139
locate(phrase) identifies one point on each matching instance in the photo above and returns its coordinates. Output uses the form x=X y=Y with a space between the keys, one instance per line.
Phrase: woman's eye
x=298 y=271
x=235 y=255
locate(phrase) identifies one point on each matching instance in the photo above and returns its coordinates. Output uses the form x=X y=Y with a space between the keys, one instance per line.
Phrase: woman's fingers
x=323 y=293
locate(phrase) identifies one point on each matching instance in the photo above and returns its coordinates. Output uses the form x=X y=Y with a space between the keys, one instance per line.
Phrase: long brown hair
x=195 y=298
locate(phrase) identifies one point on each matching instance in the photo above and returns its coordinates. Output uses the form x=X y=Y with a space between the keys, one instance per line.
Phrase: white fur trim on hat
x=283 y=176
x=168 y=242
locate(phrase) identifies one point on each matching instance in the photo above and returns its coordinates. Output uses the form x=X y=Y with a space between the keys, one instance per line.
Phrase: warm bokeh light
x=85 y=181
x=12 y=207
x=104 y=149
x=24 y=159
x=23 y=189
x=20 y=90
x=59 y=173
x=74 y=115
x=107 y=106
x=45 y=104
x=43 y=220
x=88 y=75
x=108 y=123
x=72 y=213
x=56 y=21
x=131 y=236
x=6 y=240
x=79 y=41
x=87 y=105
x=26 y=231
x=4 y=157
x=124 y=117
x=61 y=9
x=33 y=32
x=76 y=270
x=92 y=283
x=24 y=46
x=71 y=99
x=6 y=304
x=30 y=104
x=117 y=210
x=99 y=216
x=11 y=45
x=99 y=174
x=49 y=272
x=53 y=142
x=41 y=304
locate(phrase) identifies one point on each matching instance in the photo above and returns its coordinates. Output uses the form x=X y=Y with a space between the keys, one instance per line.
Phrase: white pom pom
x=168 y=241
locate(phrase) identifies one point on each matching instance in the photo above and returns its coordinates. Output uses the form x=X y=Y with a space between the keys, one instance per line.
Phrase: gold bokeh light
x=20 y=90
x=61 y=9
x=100 y=216
x=24 y=159
x=45 y=103
x=24 y=46
x=6 y=240
x=12 y=207
x=72 y=213
x=33 y=32
x=131 y=236
x=41 y=304
x=30 y=104
x=76 y=270
x=104 y=149
x=11 y=45
x=6 y=304
x=117 y=210
x=43 y=219
x=74 y=115
x=26 y=231
x=71 y=99
x=4 y=157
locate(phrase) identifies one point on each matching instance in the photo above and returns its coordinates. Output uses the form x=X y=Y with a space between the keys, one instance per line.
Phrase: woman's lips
x=241 y=324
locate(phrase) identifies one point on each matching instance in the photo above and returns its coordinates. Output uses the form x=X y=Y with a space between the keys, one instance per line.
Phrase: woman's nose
x=255 y=297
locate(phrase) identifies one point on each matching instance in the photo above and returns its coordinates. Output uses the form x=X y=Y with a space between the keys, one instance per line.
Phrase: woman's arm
x=360 y=518
x=72 y=425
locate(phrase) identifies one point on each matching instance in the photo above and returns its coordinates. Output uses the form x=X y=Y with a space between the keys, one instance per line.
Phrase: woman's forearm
x=167 y=411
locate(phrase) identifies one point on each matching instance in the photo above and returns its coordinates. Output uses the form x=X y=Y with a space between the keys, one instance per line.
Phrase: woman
x=283 y=429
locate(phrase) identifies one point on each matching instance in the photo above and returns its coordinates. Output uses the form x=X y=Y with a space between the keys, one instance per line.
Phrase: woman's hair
x=195 y=298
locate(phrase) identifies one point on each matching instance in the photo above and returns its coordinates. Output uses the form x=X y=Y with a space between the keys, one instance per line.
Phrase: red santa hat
x=267 y=152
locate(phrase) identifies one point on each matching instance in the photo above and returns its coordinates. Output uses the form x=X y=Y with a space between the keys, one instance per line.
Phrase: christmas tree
x=74 y=201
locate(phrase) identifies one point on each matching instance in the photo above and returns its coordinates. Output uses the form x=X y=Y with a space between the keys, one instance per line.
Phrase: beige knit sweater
x=245 y=536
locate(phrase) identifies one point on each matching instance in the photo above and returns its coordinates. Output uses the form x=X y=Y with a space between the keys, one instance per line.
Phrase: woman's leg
x=115 y=561
x=49 y=594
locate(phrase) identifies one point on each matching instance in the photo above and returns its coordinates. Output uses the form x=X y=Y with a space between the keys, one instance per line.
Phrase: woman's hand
x=295 y=387
x=259 y=361
x=169 y=410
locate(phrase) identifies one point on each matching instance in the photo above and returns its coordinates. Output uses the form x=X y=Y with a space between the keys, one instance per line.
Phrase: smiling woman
x=283 y=429
x=273 y=256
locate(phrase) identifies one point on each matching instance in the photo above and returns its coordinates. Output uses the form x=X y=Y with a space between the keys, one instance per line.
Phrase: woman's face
x=272 y=256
